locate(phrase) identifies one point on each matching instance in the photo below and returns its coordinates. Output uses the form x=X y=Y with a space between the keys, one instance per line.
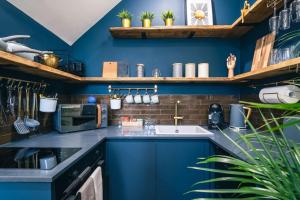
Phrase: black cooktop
x=28 y=158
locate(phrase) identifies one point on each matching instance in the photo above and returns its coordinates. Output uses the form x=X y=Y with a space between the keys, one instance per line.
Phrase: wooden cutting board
x=110 y=70
x=263 y=51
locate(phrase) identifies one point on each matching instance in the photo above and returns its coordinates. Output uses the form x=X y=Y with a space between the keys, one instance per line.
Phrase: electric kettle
x=238 y=116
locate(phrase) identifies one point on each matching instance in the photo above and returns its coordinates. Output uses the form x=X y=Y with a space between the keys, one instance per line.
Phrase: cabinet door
x=173 y=157
x=130 y=170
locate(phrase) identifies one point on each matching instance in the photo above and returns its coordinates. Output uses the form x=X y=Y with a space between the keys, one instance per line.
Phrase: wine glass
x=295 y=11
x=284 y=19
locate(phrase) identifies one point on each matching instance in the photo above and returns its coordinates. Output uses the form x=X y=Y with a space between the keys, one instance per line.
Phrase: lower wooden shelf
x=16 y=63
x=156 y=80
x=285 y=67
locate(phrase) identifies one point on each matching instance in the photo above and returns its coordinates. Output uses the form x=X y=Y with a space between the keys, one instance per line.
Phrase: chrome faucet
x=176 y=117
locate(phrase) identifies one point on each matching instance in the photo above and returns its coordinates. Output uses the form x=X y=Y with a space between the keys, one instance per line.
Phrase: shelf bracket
x=144 y=36
x=191 y=35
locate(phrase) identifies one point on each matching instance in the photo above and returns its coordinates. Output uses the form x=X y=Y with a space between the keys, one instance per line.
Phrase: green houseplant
x=147 y=18
x=272 y=166
x=125 y=17
x=168 y=18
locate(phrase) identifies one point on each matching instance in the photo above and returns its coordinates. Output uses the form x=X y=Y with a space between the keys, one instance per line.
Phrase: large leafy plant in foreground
x=271 y=169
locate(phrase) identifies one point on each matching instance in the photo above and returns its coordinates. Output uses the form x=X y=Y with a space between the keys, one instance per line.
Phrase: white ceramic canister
x=177 y=70
x=203 y=70
x=140 y=70
x=190 y=70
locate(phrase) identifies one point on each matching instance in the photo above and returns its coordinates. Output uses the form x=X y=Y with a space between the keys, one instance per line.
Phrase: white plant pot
x=48 y=105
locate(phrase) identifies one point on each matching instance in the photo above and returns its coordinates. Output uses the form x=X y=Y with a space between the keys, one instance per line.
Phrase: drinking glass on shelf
x=274 y=57
x=285 y=53
x=274 y=24
x=295 y=11
x=284 y=19
x=156 y=73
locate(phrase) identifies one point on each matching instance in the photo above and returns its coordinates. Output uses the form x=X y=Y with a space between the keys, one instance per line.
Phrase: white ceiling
x=68 y=19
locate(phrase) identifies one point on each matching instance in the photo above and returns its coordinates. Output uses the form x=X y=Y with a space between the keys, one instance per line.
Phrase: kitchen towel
x=87 y=190
x=97 y=178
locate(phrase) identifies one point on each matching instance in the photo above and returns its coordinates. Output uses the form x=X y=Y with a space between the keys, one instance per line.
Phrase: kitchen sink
x=181 y=130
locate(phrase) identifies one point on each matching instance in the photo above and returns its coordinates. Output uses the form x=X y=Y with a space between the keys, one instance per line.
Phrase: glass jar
x=140 y=70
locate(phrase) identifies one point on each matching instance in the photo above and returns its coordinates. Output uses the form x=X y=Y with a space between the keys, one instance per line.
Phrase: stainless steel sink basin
x=181 y=130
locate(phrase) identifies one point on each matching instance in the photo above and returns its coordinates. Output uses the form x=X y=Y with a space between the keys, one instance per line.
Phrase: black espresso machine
x=216 y=117
x=80 y=117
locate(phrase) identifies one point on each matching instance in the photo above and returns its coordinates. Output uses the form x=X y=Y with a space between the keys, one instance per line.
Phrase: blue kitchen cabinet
x=26 y=191
x=174 y=178
x=154 y=169
x=130 y=170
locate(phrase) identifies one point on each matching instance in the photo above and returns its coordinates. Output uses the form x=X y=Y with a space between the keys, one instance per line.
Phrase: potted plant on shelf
x=147 y=18
x=168 y=18
x=126 y=17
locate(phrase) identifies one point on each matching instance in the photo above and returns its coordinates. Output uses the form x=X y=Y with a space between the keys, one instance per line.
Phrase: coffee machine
x=216 y=117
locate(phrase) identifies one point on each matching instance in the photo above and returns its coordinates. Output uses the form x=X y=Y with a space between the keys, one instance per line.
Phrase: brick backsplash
x=194 y=108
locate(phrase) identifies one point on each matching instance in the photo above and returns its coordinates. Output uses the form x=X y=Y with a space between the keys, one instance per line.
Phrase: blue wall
x=97 y=45
x=15 y=22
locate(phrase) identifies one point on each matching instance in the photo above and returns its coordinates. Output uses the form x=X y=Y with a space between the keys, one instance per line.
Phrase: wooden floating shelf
x=216 y=31
x=285 y=67
x=16 y=63
x=256 y=14
x=156 y=80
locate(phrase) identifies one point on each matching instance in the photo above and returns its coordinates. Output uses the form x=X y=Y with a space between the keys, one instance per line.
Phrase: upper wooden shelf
x=17 y=63
x=258 y=12
x=13 y=62
x=217 y=31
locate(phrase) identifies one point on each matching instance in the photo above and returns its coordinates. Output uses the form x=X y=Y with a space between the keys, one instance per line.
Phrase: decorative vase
x=126 y=23
x=146 y=23
x=169 y=22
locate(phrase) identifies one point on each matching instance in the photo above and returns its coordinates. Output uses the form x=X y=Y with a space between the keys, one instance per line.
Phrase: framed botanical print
x=199 y=12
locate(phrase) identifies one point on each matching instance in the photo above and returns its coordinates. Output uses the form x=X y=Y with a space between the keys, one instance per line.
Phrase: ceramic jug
x=238 y=116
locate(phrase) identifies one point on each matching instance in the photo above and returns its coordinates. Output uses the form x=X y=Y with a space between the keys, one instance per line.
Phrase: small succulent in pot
x=168 y=18
x=126 y=17
x=147 y=18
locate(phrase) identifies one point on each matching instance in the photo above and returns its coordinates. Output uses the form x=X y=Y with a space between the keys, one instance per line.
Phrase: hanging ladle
x=30 y=122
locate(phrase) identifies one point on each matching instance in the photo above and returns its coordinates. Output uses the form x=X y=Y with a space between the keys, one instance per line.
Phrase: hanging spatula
x=19 y=123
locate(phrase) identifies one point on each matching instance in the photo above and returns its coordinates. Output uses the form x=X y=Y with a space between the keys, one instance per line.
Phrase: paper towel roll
x=281 y=94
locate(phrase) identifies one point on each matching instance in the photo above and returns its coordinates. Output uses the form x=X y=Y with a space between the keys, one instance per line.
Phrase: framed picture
x=199 y=12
